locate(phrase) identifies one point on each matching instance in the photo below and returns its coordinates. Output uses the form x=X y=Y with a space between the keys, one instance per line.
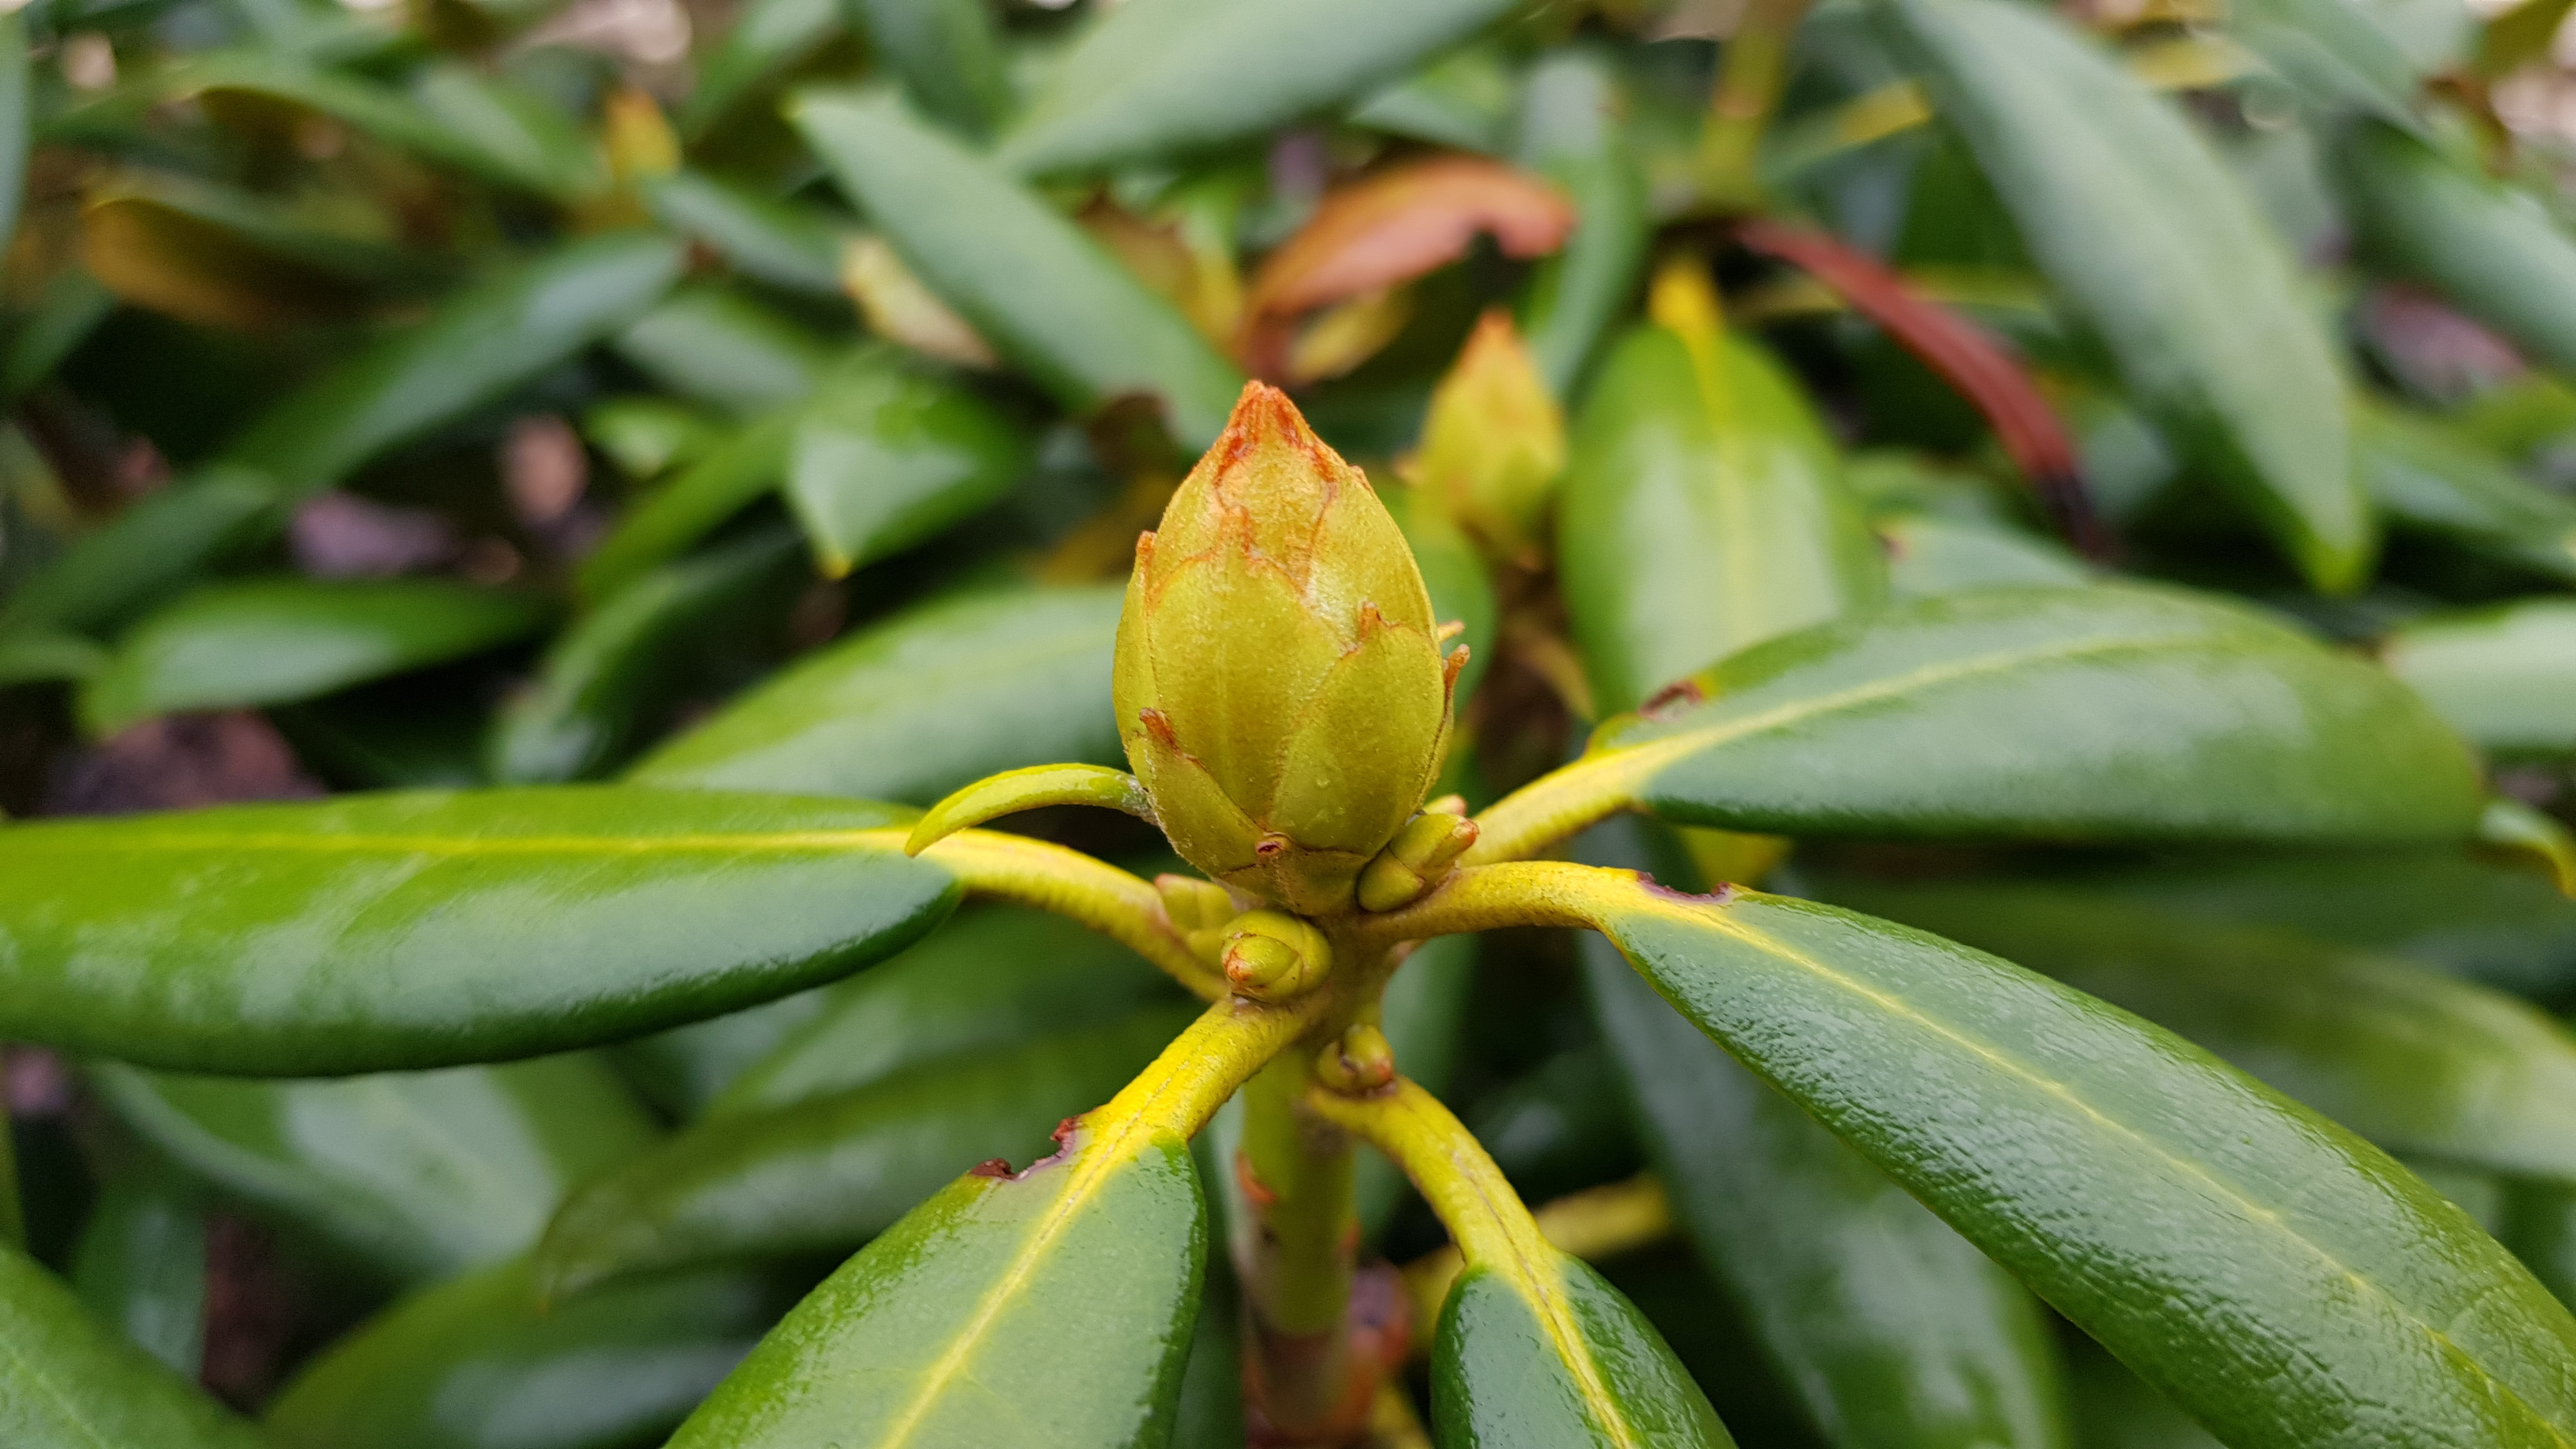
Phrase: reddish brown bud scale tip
x=1280 y=693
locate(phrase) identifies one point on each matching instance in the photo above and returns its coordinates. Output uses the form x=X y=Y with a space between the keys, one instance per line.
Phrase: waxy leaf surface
x=909 y=709
x=2288 y=1283
x=383 y=932
x=2085 y=713
x=1890 y=1329
x=1177 y=75
x=68 y=1383
x=480 y=1362
x=278 y=641
x=1503 y=1375
x=419 y=1174
x=1027 y=279
x=830 y=1172
x=2153 y=244
x=2503 y=676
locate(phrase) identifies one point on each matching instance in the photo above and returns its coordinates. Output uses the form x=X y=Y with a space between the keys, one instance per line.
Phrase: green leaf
x=67 y=1383
x=385 y=932
x=523 y=136
x=1169 y=76
x=2492 y=251
x=889 y=458
x=1454 y=573
x=146 y=553
x=947 y=54
x=1702 y=511
x=1891 y=1329
x=479 y=1362
x=2497 y=925
x=417 y=1175
x=2332 y=52
x=605 y=681
x=277 y=641
x=782 y=243
x=1574 y=134
x=2276 y=1275
x=140 y=1267
x=2157 y=250
x=829 y=1172
x=1929 y=554
x=2113 y=1410
x=2097 y=713
x=2427 y=476
x=728 y=478
x=1027 y=280
x=766 y=39
x=482 y=344
x=2422 y=1064
x=934 y=698
x=991 y=977
x=1503 y=1377
x=13 y=122
x=2503 y=676
x=715 y=345
x=1463 y=100
x=1047 y=1310
x=38 y=655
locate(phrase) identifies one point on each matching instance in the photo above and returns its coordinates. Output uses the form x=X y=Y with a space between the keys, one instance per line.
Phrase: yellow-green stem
x=1079 y=888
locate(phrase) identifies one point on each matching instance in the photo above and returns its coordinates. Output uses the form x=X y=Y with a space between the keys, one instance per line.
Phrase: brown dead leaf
x=1372 y=235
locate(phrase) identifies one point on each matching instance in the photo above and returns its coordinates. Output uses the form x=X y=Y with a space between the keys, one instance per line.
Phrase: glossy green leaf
x=1137 y=84
x=2152 y=243
x=479 y=346
x=417 y=1174
x=479 y=1362
x=934 y=698
x=2498 y=925
x=1463 y=100
x=779 y=242
x=2113 y=1410
x=2428 y=476
x=39 y=655
x=767 y=38
x=140 y=1267
x=605 y=680
x=1889 y=1328
x=1572 y=132
x=989 y=978
x=383 y=932
x=2493 y=252
x=890 y=458
x=829 y=1172
x=644 y=435
x=2503 y=676
x=1702 y=511
x=2334 y=53
x=729 y=477
x=1028 y=280
x=1051 y=1309
x=2070 y=713
x=67 y=1383
x=1560 y=1126
x=277 y=641
x=2288 y=1283
x=220 y=254
x=1501 y=1379
x=147 y=552
x=1928 y=554
x=717 y=346
x=948 y=55
x=2422 y=1064
x=449 y=117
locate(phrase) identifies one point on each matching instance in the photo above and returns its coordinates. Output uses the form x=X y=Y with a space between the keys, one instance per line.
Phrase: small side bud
x=1360 y=1061
x=1494 y=442
x=1200 y=910
x=1416 y=859
x=1271 y=955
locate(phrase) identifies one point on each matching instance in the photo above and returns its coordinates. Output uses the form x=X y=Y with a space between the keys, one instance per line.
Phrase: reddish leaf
x=1970 y=360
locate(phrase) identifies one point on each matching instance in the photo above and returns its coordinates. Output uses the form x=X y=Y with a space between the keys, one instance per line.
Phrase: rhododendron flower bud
x=1279 y=686
x=1493 y=444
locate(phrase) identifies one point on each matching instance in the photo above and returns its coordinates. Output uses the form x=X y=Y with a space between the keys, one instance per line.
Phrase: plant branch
x=1073 y=885
x=1207 y=1063
x=1515 y=893
x=1596 y=1223
x=1560 y=803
